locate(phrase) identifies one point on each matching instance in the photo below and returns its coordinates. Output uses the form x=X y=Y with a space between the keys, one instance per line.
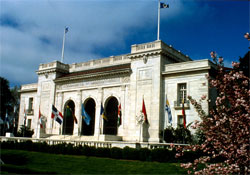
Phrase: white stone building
x=151 y=72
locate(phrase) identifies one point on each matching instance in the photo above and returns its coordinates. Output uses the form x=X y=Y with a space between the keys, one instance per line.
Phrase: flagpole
x=62 y=58
x=158 y=31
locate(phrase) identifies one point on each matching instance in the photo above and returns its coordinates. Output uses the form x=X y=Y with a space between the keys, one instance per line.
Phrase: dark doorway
x=68 y=120
x=90 y=109
x=111 y=112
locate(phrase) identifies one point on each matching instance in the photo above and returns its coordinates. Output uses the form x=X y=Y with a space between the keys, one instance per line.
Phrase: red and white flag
x=119 y=121
x=144 y=112
x=40 y=119
x=56 y=115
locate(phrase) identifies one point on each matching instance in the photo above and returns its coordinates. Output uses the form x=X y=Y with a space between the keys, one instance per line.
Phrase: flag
x=25 y=117
x=7 y=120
x=66 y=29
x=73 y=114
x=40 y=119
x=144 y=112
x=56 y=115
x=119 y=121
x=183 y=114
x=102 y=113
x=163 y=5
x=168 y=111
x=85 y=116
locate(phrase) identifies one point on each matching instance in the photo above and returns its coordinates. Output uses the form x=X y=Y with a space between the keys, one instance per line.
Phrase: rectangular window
x=30 y=109
x=29 y=123
x=180 y=120
x=182 y=93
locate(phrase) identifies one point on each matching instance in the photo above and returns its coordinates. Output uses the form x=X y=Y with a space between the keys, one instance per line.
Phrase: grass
x=25 y=162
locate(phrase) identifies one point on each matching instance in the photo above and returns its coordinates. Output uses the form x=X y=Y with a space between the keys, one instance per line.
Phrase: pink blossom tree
x=226 y=127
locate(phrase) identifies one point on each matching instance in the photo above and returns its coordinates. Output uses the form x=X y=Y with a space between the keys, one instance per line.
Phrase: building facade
x=151 y=73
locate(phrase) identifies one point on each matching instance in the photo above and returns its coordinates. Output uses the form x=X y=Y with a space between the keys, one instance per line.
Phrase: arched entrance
x=68 y=119
x=89 y=107
x=111 y=112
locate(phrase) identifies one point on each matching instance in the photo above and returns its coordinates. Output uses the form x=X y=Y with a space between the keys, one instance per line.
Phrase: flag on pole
x=25 y=117
x=119 y=121
x=40 y=119
x=102 y=113
x=56 y=115
x=144 y=112
x=183 y=114
x=85 y=116
x=73 y=114
x=66 y=29
x=168 y=111
x=163 y=5
x=7 y=120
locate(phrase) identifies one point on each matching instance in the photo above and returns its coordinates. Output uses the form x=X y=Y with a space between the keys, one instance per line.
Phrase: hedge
x=127 y=153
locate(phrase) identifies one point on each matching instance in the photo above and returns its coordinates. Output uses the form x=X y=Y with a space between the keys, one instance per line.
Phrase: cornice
x=186 y=70
x=146 y=53
x=94 y=75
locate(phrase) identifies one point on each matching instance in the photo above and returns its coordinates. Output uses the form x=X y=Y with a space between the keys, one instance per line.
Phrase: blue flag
x=85 y=116
x=102 y=113
x=168 y=111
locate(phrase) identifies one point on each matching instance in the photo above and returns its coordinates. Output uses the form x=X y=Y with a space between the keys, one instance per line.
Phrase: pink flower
x=213 y=54
x=220 y=60
x=235 y=64
x=247 y=36
x=203 y=97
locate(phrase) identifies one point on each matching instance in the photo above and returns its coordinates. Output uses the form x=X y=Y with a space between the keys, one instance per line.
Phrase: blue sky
x=31 y=31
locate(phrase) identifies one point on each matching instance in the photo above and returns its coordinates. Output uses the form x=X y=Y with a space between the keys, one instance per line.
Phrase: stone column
x=98 y=119
x=78 y=110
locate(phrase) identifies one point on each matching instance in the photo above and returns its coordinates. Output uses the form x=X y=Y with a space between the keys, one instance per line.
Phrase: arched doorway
x=68 y=119
x=89 y=107
x=111 y=112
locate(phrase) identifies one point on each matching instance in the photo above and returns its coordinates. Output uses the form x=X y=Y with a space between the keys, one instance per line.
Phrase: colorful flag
x=56 y=115
x=163 y=5
x=168 y=111
x=119 y=121
x=72 y=113
x=85 y=116
x=144 y=112
x=40 y=119
x=102 y=113
x=183 y=114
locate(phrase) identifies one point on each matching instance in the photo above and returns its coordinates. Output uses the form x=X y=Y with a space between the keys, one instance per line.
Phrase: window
x=29 y=123
x=30 y=109
x=180 y=120
x=182 y=93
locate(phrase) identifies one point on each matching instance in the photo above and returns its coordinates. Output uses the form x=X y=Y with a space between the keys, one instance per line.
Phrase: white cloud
x=37 y=38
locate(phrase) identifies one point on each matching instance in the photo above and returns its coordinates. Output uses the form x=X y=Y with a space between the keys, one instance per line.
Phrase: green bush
x=143 y=154
x=130 y=153
x=102 y=152
x=116 y=153
x=25 y=132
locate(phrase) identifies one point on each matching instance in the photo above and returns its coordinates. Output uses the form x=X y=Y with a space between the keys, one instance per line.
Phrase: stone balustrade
x=112 y=60
x=97 y=144
x=55 y=64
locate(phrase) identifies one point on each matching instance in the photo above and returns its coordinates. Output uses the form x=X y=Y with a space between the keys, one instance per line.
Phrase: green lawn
x=26 y=162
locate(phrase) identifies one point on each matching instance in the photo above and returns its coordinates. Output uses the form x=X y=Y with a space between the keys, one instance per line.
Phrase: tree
x=5 y=96
x=9 y=103
x=227 y=126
